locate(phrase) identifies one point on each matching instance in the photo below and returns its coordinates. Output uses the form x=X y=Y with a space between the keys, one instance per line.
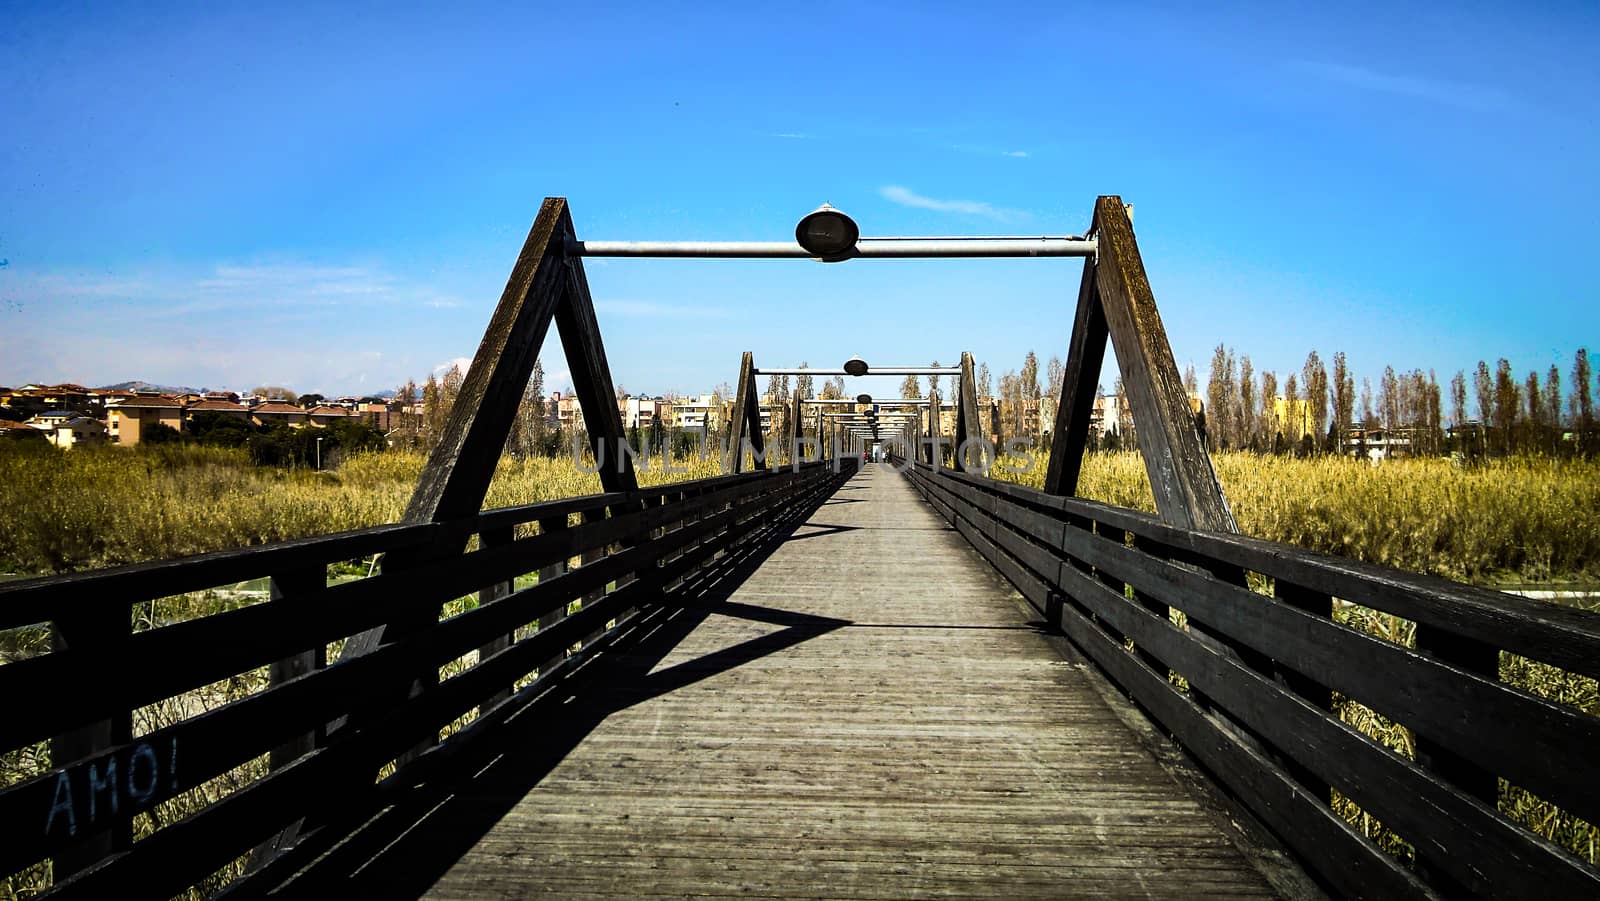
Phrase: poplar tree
x=1582 y=403
x=1552 y=405
x=1292 y=424
x=1506 y=402
x=1269 y=409
x=1535 y=415
x=1344 y=401
x=1483 y=392
x=1218 y=428
x=432 y=418
x=1315 y=387
x=803 y=384
x=1247 y=417
x=1458 y=399
x=1389 y=399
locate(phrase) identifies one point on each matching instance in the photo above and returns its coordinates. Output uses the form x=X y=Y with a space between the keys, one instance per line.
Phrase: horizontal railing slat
x=1045 y=545
x=1460 y=709
x=1299 y=818
x=716 y=514
x=45 y=695
x=1562 y=636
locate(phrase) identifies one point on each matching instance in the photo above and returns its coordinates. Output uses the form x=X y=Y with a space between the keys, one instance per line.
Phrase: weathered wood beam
x=456 y=477
x=1186 y=490
x=733 y=456
x=591 y=379
x=969 y=431
x=1079 y=386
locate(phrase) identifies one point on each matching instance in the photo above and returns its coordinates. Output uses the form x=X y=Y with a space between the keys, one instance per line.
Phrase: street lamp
x=863 y=398
x=855 y=366
x=319 y=452
x=828 y=234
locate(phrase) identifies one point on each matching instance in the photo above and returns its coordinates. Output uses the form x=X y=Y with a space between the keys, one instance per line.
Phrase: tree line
x=1319 y=408
x=1317 y=411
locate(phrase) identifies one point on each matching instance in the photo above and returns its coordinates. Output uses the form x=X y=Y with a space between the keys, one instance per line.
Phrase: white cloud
x=910 y=198
x=651 y=309
x=1019 y=154
x=234 y=287
x=794 y=135
x=464 y=362
x=1450 y=93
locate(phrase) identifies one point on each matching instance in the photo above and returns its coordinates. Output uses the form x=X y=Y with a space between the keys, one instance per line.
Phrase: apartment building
x=131 y=419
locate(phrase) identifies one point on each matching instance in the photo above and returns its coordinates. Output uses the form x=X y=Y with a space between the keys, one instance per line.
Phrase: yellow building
x=129 y=421
x=1293 y=417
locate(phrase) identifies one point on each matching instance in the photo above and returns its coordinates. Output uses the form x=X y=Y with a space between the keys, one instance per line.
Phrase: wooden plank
x=80 y=812
x=760 y=744
x=1080 y=384
x=1354 y=866
x=739 y=428
x=113 y=590
x=1186 y=489
x=547 y=573
x=1564 y=636
x=378 y=736
x=969 y=432
x=1443 y=759
x=489 y=594
x=53 y=692
x=457 y=474
x=284 y=586
x=1464 y=711
x=456 y=477
x=1480 y=849
x=591 y=377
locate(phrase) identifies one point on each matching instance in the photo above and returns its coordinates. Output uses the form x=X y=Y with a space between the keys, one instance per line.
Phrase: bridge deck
x=866 y=714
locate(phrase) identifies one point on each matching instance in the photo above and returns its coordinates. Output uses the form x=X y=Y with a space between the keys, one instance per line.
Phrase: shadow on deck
x=855 y=707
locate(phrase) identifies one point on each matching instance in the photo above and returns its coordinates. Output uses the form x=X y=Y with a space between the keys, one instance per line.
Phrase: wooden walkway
x=866 y=714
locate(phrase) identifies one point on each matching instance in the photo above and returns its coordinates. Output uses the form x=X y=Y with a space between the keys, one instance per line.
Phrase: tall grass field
x=1519 y=520
x=1516 y=520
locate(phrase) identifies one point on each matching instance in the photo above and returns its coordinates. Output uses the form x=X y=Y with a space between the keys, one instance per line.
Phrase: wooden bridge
x=822 y=679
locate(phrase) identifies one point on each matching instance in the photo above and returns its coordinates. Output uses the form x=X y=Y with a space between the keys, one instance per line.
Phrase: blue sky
x=235 y=195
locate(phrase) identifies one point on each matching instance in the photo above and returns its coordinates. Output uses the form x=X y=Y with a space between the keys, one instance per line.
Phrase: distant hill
x=138 y=385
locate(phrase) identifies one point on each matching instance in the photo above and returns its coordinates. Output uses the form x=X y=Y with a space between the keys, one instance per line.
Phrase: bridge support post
x=1115 y=300
x=1436 y=757
x=546 y=285
x=794 y=429
x=91 y=632
x=488 y=595
x=969 y=431
x=551 y=571
x=286 y=585
x=745 y=426
x=1079 y=385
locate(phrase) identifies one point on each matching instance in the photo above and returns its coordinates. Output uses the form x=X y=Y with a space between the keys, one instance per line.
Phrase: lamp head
x=827 y=233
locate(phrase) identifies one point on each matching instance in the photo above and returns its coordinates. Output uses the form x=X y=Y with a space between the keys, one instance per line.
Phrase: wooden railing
x=1248 y=683
x=328 y=730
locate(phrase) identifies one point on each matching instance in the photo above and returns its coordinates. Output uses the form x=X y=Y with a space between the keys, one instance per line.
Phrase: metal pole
x=876 y=370
x=866 y=248
x=886 y=402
